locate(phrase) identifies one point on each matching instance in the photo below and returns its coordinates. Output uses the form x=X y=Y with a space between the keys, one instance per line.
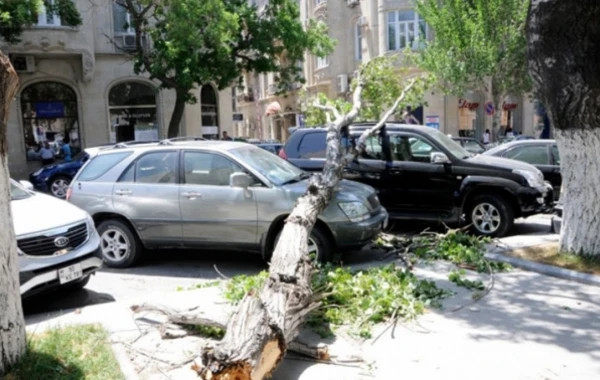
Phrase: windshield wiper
x=297 y=178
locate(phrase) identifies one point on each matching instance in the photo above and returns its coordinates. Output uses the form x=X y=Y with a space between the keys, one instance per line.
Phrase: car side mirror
x=241 y=180
x=439 y=158
x=27 y=185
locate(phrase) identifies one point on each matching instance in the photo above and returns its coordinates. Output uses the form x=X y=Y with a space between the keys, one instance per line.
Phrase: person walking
x=486 y=137
x=66 y=148
x=226 y=136
x=46 y=154
x=408 y=117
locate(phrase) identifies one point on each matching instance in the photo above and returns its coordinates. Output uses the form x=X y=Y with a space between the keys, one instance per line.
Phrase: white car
x=58 y=242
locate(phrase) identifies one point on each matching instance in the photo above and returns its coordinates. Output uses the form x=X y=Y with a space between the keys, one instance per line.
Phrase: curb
x=549 y=270
x=127 y=368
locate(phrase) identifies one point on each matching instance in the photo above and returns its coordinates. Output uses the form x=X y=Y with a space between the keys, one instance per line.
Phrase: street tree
x=184 y=44
x=477 y=45
x=258 y=334
x=563 y=38
x=15 y=17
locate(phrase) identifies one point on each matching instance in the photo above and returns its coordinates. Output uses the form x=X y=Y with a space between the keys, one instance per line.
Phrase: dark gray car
x=211 y=195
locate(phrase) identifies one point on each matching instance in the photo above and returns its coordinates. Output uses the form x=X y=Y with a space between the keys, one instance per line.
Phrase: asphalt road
x=169 y=270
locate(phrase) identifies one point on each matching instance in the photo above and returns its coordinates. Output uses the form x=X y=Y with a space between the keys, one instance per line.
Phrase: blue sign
x=433 y=121
x=489 y=108
x=49 y=110
x=300 y=120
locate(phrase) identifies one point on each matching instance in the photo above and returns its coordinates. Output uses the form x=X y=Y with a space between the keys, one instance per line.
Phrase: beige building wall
x=86 y=60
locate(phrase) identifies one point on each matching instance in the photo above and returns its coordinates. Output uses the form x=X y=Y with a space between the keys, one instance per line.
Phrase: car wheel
x=59 y=186
x=320 y=247
x=490 y=215
x=79 y=284
x=119 y=245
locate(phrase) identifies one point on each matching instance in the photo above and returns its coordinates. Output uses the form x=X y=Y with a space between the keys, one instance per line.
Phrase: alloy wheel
x=486 y=218
x=59 y=188
x=114 y=245
x=313 y=248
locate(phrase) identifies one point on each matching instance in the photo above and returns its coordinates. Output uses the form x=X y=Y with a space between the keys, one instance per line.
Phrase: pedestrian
x=66 y=148
x=486 y=137
x=46 y=154
x=408 y=117
x=509 y=131
x=226 y=136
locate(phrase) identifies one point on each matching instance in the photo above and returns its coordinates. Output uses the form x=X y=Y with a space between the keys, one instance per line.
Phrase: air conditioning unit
x=342 y=84
x=352 y=3
x=362 y=21
x=128 y=42
x=23 y=63
x=272 y=89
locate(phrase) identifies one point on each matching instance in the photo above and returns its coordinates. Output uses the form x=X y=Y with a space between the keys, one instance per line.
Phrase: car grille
x=44 y=245
x=374 y=202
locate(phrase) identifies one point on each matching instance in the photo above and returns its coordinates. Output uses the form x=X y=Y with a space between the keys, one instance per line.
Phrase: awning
x=273 y=108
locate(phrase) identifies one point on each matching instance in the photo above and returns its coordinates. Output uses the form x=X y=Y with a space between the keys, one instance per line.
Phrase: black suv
x=422 y=174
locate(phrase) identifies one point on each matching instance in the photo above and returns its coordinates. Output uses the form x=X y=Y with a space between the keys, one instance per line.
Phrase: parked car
x=422 y=174
x=470 y=144
x=212 y=195
x=273 y=148
x=543 y=154
x=58 y=245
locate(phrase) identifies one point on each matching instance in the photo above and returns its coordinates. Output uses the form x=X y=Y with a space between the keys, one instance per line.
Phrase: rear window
x=313 y=145
x=100 y=165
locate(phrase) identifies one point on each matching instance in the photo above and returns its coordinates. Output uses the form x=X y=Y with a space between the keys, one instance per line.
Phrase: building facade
x=365 y=29
x=80 y=82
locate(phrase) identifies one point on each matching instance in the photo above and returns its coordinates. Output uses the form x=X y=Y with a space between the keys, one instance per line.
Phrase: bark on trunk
x=497 y=119
x=563 y=38
x=12 y=324
x=177 y=115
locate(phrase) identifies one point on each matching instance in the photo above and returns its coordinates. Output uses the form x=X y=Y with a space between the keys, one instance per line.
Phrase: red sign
x=463 y=103
x=509 y=106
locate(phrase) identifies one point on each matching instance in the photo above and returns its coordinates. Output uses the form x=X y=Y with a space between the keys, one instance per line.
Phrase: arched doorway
x=210 y=112
x=49 y=112
x=132 y=108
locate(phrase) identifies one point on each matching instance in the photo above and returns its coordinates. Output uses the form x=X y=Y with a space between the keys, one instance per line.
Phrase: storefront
x=471 y=122
x=132 y=112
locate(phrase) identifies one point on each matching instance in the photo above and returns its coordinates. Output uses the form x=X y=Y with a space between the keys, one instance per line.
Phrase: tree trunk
x=563 y=39
x=497 y=117
x=175 y=122
x=12 y=324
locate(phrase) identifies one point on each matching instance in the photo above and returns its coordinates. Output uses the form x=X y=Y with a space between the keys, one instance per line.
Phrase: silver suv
x=211 y=195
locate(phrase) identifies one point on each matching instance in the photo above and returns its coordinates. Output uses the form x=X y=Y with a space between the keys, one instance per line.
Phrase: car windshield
x=451 y=145
x=275 y=169
x=17 y=192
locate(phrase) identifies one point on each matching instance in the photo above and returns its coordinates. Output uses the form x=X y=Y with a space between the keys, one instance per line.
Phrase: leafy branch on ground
x=458 y=277
x=462 y=249
x=358 y=299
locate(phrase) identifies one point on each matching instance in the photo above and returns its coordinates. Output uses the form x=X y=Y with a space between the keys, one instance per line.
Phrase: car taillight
x=282 y=154
x=69 y=191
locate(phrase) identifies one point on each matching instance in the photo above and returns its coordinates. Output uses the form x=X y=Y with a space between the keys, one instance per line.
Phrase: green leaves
x=476 y=42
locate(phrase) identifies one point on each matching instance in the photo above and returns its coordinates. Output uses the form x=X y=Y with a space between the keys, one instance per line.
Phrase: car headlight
x=90 y=224
x=38 y=172
x=355 y=211
x=533 y=179
x=19 y=252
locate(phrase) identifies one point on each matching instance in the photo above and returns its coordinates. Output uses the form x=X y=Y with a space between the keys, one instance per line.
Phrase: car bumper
x=539 y=200
x=353 y=236
x=38 y=183
x=40 y=274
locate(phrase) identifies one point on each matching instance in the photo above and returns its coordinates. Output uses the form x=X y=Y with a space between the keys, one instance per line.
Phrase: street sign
x=489 y=108
x=433 y=121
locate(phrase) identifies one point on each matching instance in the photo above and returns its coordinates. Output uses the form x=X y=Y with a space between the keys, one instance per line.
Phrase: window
x=202 y=168
x=122 y=22
x=132 y=109
x=320 y=2
x=405 y=29
x=555 y=155
x=473 y=146
x=157 y=167
x=373 y=148
x=534 y=155
x=210 y=112
x=46 y=18
x=313 y=145
x=410 y=148
x=322 y=62
x=100 y=165
x=358 y=41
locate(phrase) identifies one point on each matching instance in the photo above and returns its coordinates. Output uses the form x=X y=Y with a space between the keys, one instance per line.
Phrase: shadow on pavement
x=63 y=300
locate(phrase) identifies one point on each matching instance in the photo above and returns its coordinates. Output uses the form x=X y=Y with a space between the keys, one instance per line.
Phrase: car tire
x=119 y=245
x=79 y=284
x=321 y=241
x=490 y=215
x=58 y=186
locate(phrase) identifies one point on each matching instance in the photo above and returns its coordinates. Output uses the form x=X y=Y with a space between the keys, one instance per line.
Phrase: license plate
x=70 y=273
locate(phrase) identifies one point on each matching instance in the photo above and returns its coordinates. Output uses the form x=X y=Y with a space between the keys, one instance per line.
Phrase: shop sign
x=238 y=117
x=49 y=110
x=464 y=103
x=432 y=121
x=509 y=106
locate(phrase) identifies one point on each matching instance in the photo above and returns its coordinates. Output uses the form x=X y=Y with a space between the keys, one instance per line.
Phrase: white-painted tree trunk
x=12 y=325
x=580 y=168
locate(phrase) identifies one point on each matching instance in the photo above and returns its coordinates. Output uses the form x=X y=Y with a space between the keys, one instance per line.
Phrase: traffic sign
x=489 y=108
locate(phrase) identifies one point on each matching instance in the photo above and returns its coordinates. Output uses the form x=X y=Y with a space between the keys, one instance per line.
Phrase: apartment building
x=365 y=29
x=79 y=82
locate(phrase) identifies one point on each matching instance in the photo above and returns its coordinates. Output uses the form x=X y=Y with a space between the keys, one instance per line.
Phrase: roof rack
x=187 y=138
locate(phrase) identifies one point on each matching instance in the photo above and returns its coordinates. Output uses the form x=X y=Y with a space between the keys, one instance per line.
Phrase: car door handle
x=192 y=195
x=123 y=192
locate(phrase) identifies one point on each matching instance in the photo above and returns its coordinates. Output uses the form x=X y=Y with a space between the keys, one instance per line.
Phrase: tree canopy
x=188 y=43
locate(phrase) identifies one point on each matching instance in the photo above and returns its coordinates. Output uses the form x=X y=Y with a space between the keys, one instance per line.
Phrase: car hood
x=42 y=212
x=346 y=190
x=503 y=163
